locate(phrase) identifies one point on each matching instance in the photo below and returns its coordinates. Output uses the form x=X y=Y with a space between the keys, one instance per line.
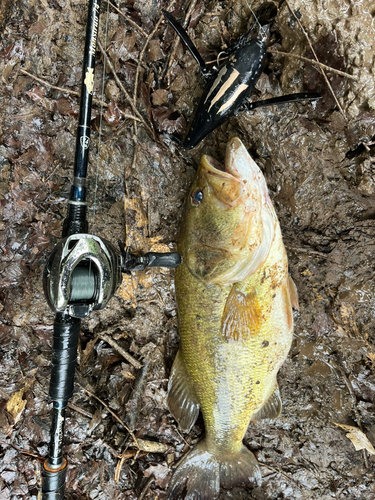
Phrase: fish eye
x=197 y=197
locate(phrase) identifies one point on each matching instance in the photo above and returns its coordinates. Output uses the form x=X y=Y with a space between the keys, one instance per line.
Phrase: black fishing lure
x=228 y=87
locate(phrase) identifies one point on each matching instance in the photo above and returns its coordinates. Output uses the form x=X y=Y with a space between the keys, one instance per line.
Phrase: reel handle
x=131 y=262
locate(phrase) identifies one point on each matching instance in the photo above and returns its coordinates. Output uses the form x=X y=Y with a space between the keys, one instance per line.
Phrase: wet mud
x=319 y=163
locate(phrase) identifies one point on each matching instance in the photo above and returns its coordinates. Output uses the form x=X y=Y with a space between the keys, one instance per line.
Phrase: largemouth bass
x=235 y=300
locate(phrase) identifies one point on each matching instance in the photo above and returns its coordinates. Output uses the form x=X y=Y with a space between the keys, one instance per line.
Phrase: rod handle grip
x=64 y=355
x=53 y=482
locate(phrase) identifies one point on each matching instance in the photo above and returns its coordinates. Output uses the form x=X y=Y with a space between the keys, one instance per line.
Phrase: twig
x=110 y=411
x=124 y=91
x=119 y=465
x=334 y=365
x=150 y=36
x=306 y=250
x=302 y=58
x=278 y=471
x=145 y=489
x=130 y=21
x=80 y=410
x=177 y=41
x=316 y=58
x=135 y=92
x=66 y=91
x=136 y=395
x=120 y=350
x=4 y=394
x=315 y=63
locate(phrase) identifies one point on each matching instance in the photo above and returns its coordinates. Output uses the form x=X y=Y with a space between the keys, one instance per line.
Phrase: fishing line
x=101 y=112
x=91 y=274
x=262 y=31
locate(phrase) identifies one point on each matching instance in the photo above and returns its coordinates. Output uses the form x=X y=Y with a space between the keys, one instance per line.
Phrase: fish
x=234 y=299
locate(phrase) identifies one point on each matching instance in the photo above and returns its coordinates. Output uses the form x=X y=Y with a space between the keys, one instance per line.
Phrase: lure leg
x=188 y=43
x=283 y=99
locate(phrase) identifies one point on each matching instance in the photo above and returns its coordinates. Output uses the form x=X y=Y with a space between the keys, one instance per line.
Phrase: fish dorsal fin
x=241 y=317
x=271 y=408
x=182 y=401
x=293 y=293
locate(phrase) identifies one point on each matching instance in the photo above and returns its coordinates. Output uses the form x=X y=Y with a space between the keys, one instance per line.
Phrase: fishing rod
x=82 y=274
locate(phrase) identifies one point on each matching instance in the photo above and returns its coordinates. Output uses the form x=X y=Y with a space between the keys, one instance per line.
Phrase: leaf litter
x=318 y=169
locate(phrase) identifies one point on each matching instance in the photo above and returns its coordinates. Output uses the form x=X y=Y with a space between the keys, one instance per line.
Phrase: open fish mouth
x=239 y=176
x=238 y=163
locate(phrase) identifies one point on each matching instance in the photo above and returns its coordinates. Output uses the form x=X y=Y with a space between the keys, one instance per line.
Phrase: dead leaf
x=159 y=97
x=126 y=289
x=135 y=206
x=152 y=446
x=87 y=352
x=348 y=320
x=358 y=438
x=168 y=119
x=113 y=114
x=16 y=404
x=160 y=473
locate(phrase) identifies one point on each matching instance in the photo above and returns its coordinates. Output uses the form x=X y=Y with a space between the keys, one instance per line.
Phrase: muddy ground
x=320 y=168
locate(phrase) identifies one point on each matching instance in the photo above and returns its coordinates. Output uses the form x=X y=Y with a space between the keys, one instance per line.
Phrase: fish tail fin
x=240 y=469
x=201 y=473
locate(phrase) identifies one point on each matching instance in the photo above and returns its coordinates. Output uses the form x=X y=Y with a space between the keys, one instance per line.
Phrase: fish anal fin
x=293 y=293
x=182 y=401
x=242 y=316
x=271 y=408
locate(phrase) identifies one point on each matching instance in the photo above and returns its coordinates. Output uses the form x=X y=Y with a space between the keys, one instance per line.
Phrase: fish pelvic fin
x=201 y=473
x=182 y=401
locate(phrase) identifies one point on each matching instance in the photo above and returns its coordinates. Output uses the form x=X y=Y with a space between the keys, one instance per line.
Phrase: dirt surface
x=320 y=168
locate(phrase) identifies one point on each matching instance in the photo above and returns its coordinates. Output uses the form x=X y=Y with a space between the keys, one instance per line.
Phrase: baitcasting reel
x=84 y=271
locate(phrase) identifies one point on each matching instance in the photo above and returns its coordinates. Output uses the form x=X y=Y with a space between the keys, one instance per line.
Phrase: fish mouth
x=238 y=163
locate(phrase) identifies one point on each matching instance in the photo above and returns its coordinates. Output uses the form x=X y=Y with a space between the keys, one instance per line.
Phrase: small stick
x=278 y=471
x=111 y=412
x=80 y=410
x=150 y=36
x=316 y=58
x=135 y=92
x=355 y=402
x=66 y=91
x=307 y=250
x=119 y=465
x=73 y=92
x=348 y=384
x=4 y=394
x=315 y=63
x=145 y=489
x=130 y=21
x=124 y=91
x=302 y=58
x=136 y=395
x=120 y=350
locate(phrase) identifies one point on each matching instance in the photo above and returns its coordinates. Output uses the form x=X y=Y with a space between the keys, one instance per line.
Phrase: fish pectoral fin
x=182 y=401
x=271 y=408
x=293 y=293
x=242 y=315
